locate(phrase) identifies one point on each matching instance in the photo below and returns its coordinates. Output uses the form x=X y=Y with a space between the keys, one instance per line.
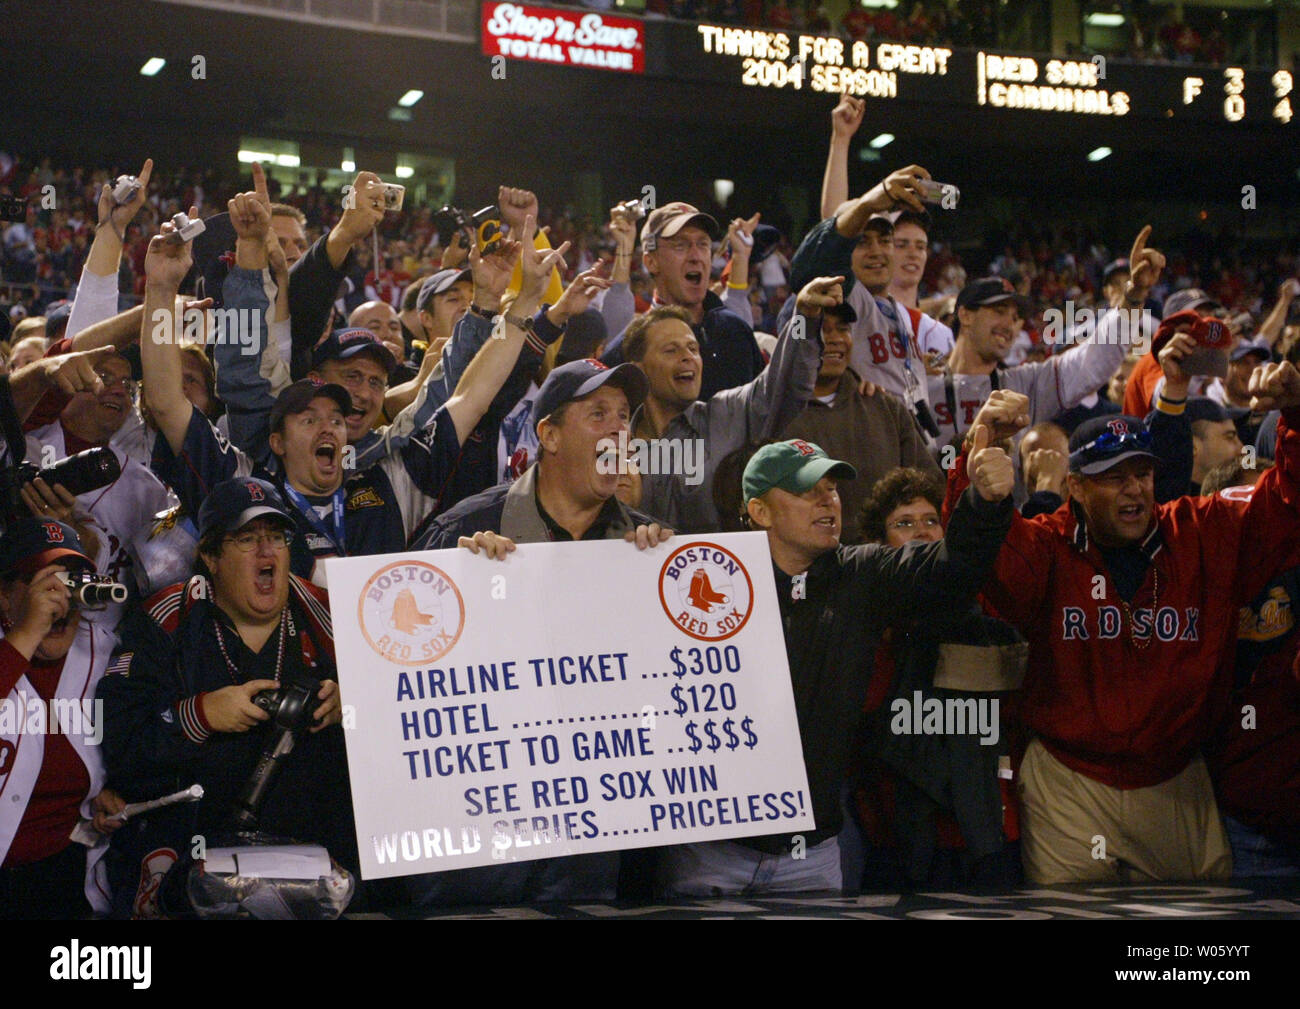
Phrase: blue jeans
x=727 y=869
x=1254 y=855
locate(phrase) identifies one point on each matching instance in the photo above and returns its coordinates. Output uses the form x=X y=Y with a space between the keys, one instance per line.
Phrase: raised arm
x=846 y=117
x=492 y=365
x=314 y=278
x=165 y=266
x=1271 y=328
x=250 y=370
x=767 y=405
x=96 y=298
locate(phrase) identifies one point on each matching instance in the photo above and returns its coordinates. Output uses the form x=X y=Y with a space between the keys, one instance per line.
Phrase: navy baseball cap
x=1190 y=297
x=1113 y=267
x=31 y=543
x=843 y=311
x=297 y=397
x=794 y=466
x=1100 y=443
x=1245 y=347
x=581 y=378
x=232 y=504
x=57 y=314
x=1204 y=408
x=345 y=343
x=992 y=291
x=440 y=283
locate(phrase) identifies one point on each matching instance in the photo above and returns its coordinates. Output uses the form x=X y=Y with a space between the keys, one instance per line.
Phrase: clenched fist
x=1275 y=387
x=990 y=470
x=1004 y=413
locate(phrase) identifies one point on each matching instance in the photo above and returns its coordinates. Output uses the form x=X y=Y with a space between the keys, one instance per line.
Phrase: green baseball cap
x=794 y=466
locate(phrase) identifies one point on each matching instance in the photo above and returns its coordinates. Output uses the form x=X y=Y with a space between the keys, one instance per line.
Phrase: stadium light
x=888 y=4
x=1099 y=153
x=152 y=65
x=248 y=157
x=410 y=98
x=349 y=166
x=1099 y=19
x=722 y=190
x=405 y=171
x=882 y=140
x=287 y=160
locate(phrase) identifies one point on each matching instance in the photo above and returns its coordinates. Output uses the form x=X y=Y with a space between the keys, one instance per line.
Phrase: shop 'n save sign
x=564 y=38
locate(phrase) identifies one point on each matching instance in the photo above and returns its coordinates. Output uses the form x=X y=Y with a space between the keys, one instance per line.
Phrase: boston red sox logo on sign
x=706 y=591
x=411 y=612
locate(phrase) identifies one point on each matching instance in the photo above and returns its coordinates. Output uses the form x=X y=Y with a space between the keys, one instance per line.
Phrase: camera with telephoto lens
x=291 y=707
x=125 y=189
x=186 y=229
x=91 y=591
x=78 y=474
x=13 y=208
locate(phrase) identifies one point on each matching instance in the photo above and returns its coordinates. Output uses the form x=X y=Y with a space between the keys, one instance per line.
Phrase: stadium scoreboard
x=1096 y=87
x=886 y=71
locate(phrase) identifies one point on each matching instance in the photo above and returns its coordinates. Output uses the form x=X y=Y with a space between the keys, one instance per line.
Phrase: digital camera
x=186 y=229
x=125 y=189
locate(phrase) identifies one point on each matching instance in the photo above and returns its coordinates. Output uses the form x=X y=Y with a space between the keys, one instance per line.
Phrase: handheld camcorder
x=291 y=707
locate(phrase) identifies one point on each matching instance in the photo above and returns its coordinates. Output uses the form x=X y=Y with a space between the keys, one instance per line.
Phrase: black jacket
x=313 y=286
x=155 y=743
x=833 y=617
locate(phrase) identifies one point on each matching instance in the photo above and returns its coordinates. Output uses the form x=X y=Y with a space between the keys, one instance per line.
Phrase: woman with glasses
x=51 y=771
x=182 y=711
x=930 y=810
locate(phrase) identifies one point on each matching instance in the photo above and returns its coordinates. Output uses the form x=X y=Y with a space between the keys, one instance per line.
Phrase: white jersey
x=118 y=513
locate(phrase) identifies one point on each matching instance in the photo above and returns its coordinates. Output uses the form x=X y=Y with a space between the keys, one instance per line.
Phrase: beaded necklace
x=279 y=657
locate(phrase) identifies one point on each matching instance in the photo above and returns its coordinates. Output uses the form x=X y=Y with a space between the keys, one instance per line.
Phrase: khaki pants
x=1077 y=830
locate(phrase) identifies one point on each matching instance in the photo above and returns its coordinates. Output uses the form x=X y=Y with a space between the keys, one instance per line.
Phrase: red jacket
x=1127 y=716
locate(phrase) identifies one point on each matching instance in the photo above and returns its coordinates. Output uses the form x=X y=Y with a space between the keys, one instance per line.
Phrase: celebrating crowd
x=1090 y=530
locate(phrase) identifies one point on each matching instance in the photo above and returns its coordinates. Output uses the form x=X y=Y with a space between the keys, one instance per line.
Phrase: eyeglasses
x=354 y=379
x=110 y=380
x=250 y=541
x=907 y=525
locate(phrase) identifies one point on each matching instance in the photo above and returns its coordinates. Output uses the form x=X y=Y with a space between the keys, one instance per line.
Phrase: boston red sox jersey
x=118 y=513
x=1127 y=690
x=1052 y=386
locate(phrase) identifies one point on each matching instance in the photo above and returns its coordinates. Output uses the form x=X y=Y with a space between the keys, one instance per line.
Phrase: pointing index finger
x=1139 y=246
x=259 y=183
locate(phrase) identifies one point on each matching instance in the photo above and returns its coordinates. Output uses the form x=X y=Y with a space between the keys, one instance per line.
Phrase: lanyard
x=309 y=513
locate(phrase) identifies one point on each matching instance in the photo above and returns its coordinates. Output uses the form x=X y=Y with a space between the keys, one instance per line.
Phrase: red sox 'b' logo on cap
x=1119 y=428
x=802 y=447
x=53 y=533
x=255 y=492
